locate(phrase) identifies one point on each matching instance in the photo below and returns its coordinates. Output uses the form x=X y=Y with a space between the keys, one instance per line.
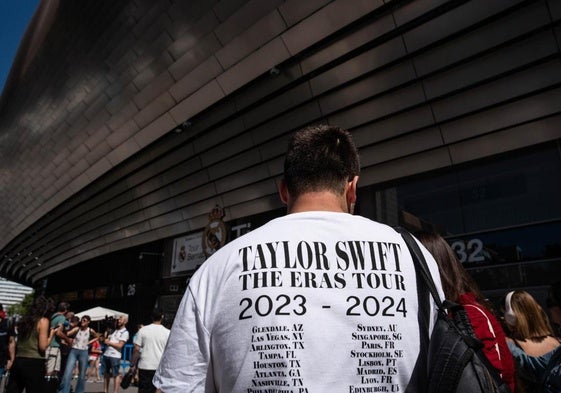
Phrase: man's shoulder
x=57 y=316
x=57 y=319
x=117 y=334
x=153 y=328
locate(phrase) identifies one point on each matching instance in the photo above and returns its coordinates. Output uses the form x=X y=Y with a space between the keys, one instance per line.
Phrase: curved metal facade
x=126 y=122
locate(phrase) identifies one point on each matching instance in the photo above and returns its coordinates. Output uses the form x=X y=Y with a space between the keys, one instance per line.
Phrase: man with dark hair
x=53 y=354
x=149 y=345
x=319 y=300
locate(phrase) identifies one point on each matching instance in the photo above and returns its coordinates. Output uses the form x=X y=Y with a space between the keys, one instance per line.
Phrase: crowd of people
x=296 y=305
x=50 y=349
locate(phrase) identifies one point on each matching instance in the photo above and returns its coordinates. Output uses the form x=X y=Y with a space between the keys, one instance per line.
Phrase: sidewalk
x=97 y=387
x=91 y=387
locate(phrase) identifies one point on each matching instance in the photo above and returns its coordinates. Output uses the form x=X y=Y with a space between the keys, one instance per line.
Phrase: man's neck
x=318 y=201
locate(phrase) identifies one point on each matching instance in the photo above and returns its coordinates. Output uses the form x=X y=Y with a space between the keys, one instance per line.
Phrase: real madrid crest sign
x=214 y=235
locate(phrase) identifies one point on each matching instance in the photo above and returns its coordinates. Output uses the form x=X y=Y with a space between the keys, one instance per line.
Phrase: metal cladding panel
x=391 y=127
x=192 y=58
x=510 y=139
x=505 y=116
x=506 y=59
x=519 y=84
x=293 y=11
x=135 y=118
x=412 y=143
x=407 y=166
x=259 y=34
x=365 y=88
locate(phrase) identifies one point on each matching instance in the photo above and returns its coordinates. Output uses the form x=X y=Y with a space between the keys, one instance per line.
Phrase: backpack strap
x=420 y=263
x=419 y=378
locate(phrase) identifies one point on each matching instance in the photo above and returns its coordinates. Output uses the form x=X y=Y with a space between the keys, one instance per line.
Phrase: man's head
x=74 y=321
x=157 y=315
x=62 y=307
x=122 y=321
x=320 y=159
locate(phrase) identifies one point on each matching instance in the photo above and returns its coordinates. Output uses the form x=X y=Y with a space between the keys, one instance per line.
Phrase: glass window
x=498 y=214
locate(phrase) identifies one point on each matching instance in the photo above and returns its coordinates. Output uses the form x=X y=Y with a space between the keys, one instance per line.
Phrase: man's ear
x=350 y=194
x=283 y=192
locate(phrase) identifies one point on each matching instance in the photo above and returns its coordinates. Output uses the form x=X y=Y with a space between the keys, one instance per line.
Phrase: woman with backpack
x=532 y=342
x=460 y=288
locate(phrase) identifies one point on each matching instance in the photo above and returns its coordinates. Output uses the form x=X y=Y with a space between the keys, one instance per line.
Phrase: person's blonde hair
x=531 y=320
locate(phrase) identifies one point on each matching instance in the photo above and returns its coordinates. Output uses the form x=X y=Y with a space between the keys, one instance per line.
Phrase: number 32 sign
x=470 y=251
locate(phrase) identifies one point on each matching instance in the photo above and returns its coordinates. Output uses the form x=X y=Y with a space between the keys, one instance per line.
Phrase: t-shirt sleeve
x=185 y=363
x=125 y=336
x=137 y=339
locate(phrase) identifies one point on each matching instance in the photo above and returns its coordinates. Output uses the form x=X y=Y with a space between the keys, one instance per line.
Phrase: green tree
x=21 y=308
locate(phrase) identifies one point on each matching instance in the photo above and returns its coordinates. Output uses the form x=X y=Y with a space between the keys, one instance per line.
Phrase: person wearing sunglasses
x=82 y=336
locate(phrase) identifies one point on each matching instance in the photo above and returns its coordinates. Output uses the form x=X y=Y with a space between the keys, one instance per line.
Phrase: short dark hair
x=63 y=306
x=320 y=158
x=157 y=315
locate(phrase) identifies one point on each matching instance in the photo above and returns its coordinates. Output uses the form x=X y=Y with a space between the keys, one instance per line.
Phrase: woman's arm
x=11 y=352
x=45 y=334
x=93 y=334
x=95 y=337
x=72 y=332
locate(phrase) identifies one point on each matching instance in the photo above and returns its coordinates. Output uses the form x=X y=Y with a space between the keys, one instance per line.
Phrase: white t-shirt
x=152 y=339
x=312 y=302
x=118 y=335
x=81 y=339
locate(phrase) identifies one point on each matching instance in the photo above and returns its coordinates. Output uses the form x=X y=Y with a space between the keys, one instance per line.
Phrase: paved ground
x=91 y=387
x=94 y=387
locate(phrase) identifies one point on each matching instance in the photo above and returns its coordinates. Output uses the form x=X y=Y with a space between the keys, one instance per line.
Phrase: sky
x=14 y=18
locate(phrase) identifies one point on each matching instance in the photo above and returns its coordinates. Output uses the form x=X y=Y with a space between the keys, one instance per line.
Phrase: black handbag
x=127 y=378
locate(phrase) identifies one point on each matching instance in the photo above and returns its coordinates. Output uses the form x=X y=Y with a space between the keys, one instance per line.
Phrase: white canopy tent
x=99 y=313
